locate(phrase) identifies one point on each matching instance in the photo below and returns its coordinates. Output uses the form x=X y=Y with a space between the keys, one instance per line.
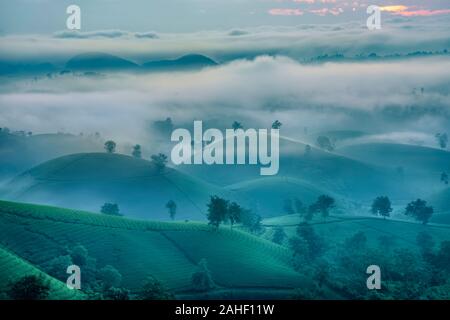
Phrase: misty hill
x=400 y=155
x=191 y=61
x=99 y=62
x=88 y=180
x=21 y=152
x=324 y=170
x=138 y=249
x=268 y=195
x=337 y=228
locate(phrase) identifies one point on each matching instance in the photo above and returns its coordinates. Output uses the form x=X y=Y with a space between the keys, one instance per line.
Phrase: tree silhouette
x=217 y=211
x=444 y=177
x=111 y=209
x=237 y=125
x=110 y=146
x=419 y=210
x=442 y=139
x=323 y=205
x=137 y=152
x=160 y=161
x=381 y=206
x=325 y=143
x=29 y=288
x=172 y=206
x=276 y=124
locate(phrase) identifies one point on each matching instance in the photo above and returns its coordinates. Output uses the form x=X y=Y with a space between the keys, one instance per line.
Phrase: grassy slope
x=336 y=229
x=268 y=195
x=86 y=181
x=13 y=268
x=169 y=251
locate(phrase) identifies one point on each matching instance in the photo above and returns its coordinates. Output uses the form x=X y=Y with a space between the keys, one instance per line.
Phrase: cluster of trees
x=20 y=133
x=417 y=209
x=159 y=160
x=237 y=125
x=323 y=206
x=223 y=211
x=325 y=143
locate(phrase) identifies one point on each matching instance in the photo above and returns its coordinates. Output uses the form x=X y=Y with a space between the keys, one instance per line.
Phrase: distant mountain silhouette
x=191 y=61
x=99 y=61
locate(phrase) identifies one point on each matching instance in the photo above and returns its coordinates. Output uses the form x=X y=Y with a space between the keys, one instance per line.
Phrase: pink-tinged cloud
x=394 y=9
x=423 y=13
x=324 y=11
x=285 y=12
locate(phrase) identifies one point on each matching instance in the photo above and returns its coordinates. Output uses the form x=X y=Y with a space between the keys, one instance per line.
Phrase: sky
x=262 y=46
x=49 y=16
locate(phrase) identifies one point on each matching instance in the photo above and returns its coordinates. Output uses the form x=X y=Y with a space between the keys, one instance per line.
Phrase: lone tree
x=160 y=161
x=325 y=143
x=172 y=207
x=111 y=209
x=236 y=125
x=110 y=146
x=251 y=221
x=276 y=124
x=381 y=206
x=137 y=152
x=234 y=213
x=419 y=210
x=323 y=205
x=217 y=211
x=444 y=177
x=442 y=139
x=29 y=288
x=202 y=279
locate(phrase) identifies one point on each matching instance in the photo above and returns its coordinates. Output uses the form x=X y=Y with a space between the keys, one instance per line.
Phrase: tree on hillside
x=111 y=209
x=381 y=206
x=217 y=211
x=315 y=244
x=172 y=207
x=276 y=124
x=109 y=277
x=137 y=152
x=307 y=150
x=279 y=235
x=79 y=255
x=442 y=139
x=236 y=125
x=110 y=146
x=153 y=289
x=419 y=210
x=325 y=143
x=202 y=279
x=29 y=288
x=250 y=220
x=160 y=161
x=425 y=242
x=234 y=213
x=444 y=177
x=323 y=205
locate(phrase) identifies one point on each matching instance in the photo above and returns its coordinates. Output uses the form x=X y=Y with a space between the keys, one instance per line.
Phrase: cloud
x=92 y=34
x=285 y=12
x=146 y=35
x=375 y=97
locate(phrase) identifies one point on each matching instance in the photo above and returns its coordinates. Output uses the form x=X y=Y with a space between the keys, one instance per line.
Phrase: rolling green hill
x=337 y=228
x=137 y=249
x=324 y=170
x=13 y=268
x=86 y=181
x=268 y=195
